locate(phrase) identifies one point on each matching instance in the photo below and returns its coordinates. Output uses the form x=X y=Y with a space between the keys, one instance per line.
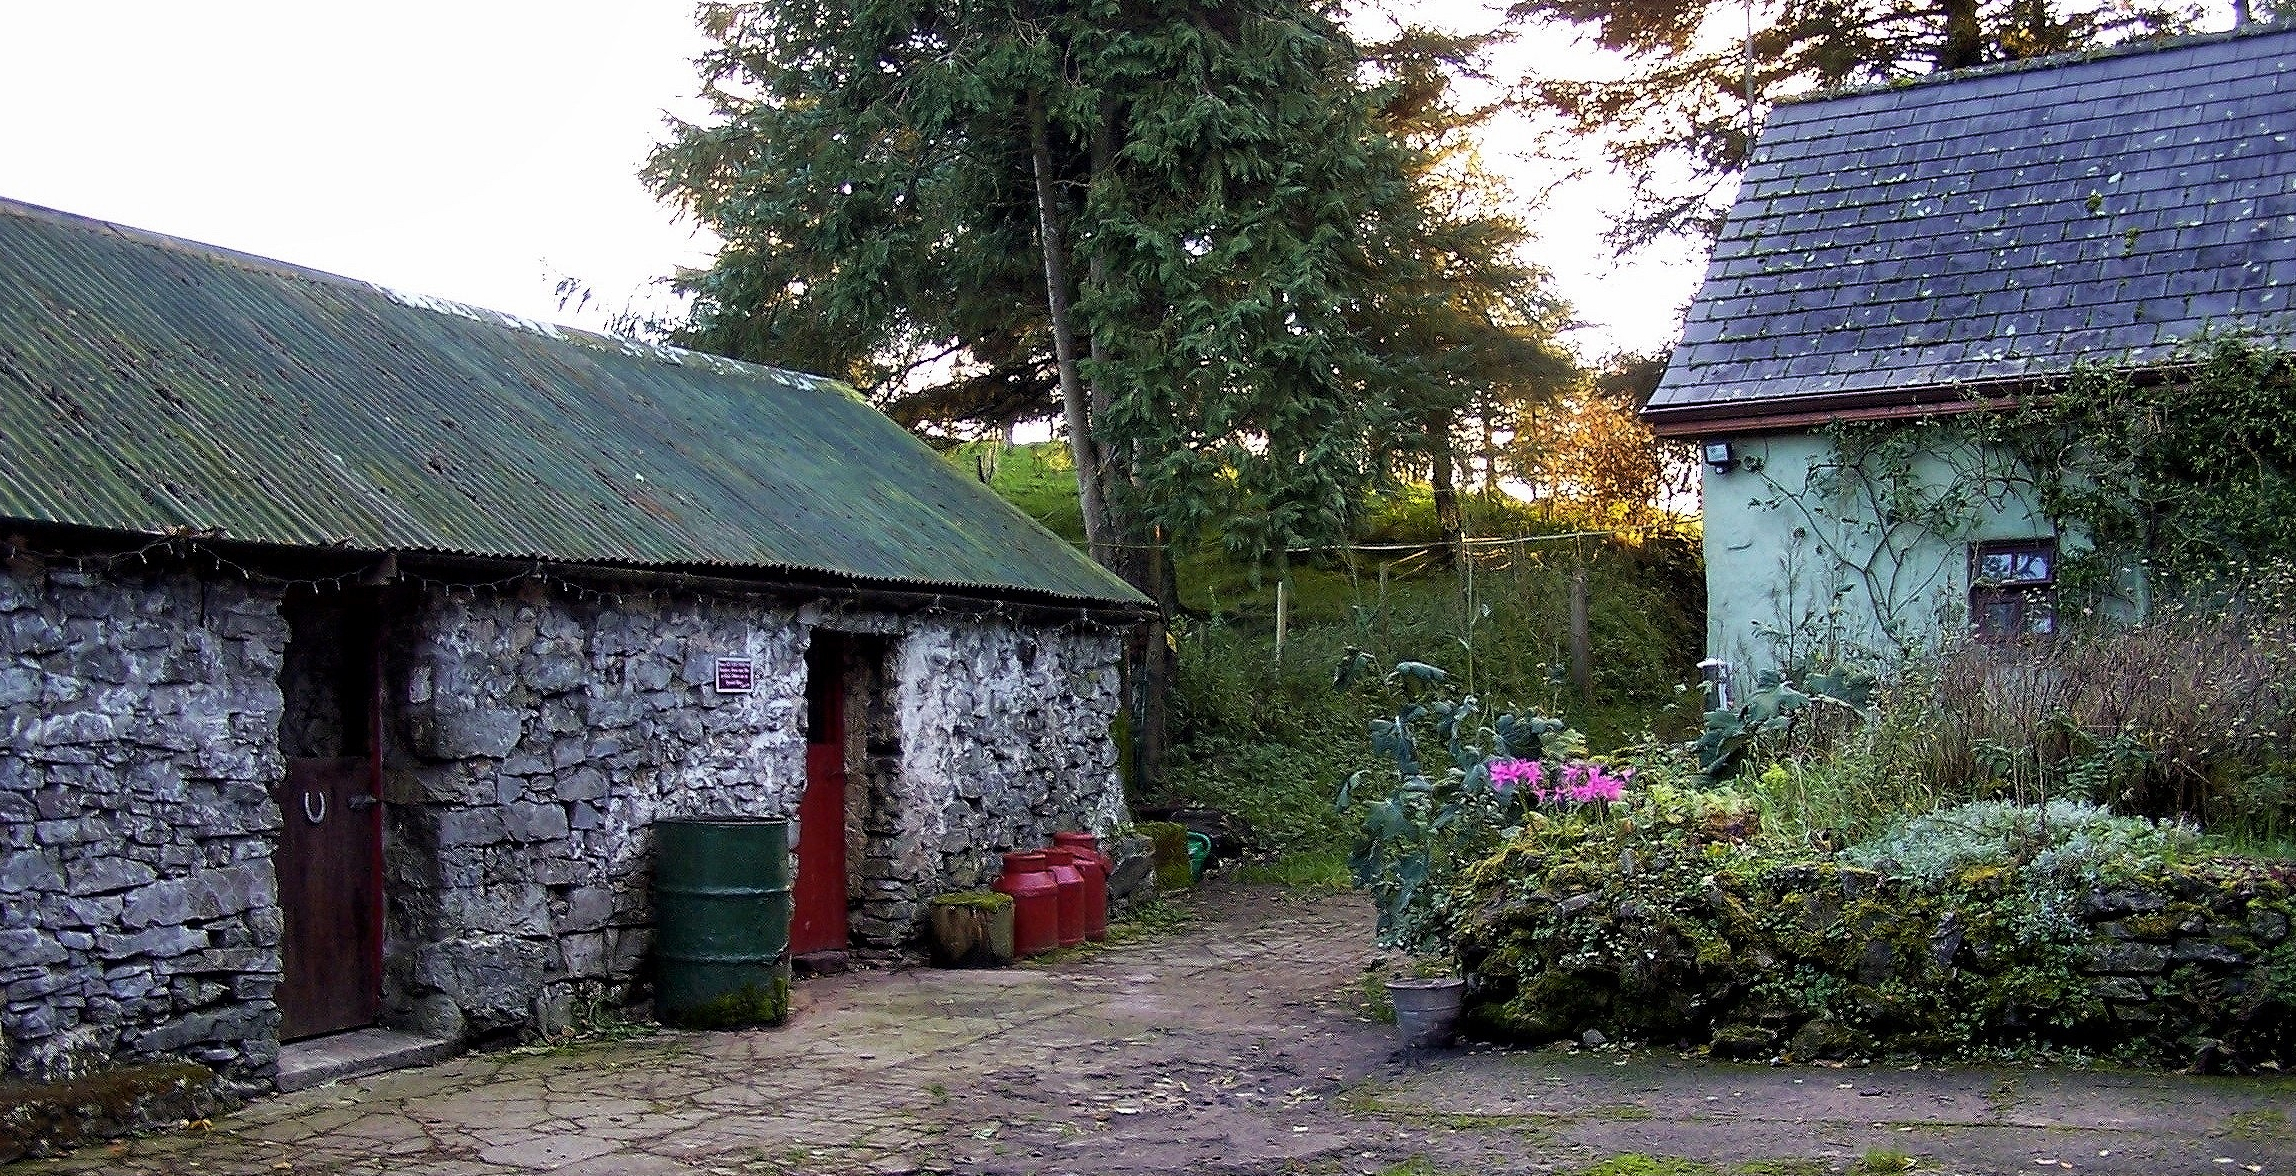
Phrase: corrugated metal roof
x=2003 y=225
x=149 y=384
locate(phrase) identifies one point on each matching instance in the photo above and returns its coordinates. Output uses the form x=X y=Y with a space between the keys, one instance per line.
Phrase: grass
x=1418 y=1166
x=2271 y=1123
x=2238 y=840
x=1312 y=869
x=1881 y=1161
x=1637 y=1164
x=1039 y=479
x=1371 y=991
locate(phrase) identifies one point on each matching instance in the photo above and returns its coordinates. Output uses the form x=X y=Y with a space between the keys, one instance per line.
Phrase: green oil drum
x=721 y=922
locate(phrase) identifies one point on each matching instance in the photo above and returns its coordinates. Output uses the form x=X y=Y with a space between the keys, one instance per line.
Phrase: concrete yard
x=1236 y=1044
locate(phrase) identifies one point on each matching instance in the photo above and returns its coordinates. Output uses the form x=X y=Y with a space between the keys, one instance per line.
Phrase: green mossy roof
x=153 y=385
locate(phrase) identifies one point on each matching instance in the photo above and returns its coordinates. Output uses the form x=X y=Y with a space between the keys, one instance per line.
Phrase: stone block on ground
x=971 y=930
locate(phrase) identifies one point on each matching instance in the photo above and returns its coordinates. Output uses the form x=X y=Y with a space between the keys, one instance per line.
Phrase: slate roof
x=1999 y=225
x=150 y=385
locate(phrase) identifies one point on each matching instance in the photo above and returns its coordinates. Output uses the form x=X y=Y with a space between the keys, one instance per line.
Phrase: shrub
x=2063 y=841
x=2152 y=718
x=2190 y=713
x=1478 y=785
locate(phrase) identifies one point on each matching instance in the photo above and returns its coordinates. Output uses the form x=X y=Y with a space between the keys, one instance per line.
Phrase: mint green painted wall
x=1791 y=570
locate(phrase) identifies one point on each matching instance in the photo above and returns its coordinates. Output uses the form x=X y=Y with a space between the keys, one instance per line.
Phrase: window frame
x=2032 y=597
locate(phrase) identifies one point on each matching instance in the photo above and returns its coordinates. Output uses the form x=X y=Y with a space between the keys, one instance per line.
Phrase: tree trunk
x=1142 y=561
x=1114 y=466
x=1490 y=454
x=1964 y=36
x=1074 y=413
x=1444 y=479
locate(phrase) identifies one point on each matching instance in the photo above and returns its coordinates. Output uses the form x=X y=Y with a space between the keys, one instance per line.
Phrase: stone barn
x=351 y=643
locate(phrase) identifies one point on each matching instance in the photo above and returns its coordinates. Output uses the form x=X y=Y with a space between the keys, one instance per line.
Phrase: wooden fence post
x=1386 y=631
x=1582 y=641
x=1280 y=601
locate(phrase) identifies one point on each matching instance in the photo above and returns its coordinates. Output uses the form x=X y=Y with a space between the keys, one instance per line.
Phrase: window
x=2013 y=589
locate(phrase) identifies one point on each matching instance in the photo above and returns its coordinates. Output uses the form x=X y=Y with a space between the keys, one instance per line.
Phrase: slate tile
x=1943 y=209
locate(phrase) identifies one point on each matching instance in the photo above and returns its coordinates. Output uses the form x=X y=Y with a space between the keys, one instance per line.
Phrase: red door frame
x=818 y=921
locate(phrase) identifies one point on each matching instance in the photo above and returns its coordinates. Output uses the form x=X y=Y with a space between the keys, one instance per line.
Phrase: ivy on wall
x=2186 y=471
x=2192 y=473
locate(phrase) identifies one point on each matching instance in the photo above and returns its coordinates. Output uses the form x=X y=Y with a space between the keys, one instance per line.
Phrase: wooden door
x=330 y=869
x=329 y=860
x=818 y=922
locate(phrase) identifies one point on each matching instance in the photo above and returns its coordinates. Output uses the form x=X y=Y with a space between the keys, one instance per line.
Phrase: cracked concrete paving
x=1235 y=1045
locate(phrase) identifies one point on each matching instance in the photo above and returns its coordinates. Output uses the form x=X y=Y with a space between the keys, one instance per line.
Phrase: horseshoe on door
x=318 y=814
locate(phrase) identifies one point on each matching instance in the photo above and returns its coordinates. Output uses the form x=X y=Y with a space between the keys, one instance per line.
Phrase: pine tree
x=1198 y=228
x=1680 y=119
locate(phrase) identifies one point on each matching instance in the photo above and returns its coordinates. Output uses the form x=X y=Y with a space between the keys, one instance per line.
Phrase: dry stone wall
x=138 y=740
x=2190 y=964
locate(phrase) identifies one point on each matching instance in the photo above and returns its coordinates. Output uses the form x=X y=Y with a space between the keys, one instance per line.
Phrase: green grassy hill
x=1265 y=737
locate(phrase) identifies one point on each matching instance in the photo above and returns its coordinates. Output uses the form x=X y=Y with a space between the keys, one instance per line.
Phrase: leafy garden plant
x=1464 y=783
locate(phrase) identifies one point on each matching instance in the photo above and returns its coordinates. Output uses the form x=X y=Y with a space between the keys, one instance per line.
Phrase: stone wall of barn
x=538 y=738
x=533 y=744
x=530 y=742
x=1003 y=735
x=138 y=740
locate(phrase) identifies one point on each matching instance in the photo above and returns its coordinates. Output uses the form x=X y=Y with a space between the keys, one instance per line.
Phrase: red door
x=330 y=869
x=818 y=921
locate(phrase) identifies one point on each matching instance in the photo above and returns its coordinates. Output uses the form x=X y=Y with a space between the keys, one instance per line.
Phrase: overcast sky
x=478 y=150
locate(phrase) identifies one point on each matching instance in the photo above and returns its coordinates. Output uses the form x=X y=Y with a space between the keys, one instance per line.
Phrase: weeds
x=2189 y=714
x=1372 y=993
x=1312 y=870
x=1881 y=1161
x=1637 y=1164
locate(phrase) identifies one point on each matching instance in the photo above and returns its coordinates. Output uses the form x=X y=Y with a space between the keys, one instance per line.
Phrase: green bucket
x=721 y=923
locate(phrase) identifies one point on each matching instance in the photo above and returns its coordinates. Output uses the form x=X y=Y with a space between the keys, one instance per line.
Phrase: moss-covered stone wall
x=2191 y=965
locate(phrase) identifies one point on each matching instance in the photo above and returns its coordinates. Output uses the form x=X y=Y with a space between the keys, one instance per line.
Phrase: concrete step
x=355 y=1054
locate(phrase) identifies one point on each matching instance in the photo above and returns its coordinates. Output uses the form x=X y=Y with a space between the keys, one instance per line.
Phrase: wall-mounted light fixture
x=1719 y=456
x=1716 y=674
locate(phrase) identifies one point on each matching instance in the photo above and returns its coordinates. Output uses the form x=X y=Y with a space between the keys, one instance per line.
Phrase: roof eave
x=1785 y=414
x=1802 y=411
x=344 y=563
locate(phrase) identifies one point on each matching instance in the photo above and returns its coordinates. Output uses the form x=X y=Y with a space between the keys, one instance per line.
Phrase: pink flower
x=1508 y=773
x=1575 y=783
x=1583 y=783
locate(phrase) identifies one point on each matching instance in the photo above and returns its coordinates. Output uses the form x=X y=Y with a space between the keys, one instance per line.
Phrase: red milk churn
x=1085 y=843
x=1071 y=882
x=1091 y=863
x=1035 y=902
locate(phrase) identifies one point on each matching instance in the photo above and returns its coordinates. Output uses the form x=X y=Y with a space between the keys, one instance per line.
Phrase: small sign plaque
x=736 y=675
